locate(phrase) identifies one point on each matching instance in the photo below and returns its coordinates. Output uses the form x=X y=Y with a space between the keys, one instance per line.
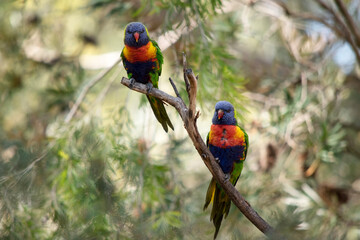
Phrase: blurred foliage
x=112 y=173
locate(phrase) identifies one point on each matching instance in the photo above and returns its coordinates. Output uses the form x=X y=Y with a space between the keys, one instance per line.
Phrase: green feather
x=221 y=202
x=159 y=56
x=157 y=105
x=210 y=193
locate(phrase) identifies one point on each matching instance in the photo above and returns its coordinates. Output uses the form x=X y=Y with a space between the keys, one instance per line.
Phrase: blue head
x=136 y=35
x=224 y=114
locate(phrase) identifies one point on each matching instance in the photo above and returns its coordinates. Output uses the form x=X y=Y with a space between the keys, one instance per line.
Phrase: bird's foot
x=132 y=81
x=227 y=176
x=217 y=160
x=149 y=86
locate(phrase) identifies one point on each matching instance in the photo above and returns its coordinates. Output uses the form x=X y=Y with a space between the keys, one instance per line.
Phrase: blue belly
x=227 y=156
x=140 y=70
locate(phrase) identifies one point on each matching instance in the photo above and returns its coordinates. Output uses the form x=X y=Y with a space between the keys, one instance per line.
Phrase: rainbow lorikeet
x=228 y=143
x=142 y=59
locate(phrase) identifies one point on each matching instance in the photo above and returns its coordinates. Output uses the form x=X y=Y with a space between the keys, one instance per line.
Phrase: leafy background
x=112 y=173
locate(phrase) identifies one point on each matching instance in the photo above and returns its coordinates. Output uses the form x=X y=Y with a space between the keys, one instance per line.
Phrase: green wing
x=239 y=166
x=123 y=61
x=159 y=56
x=246 y=138
x=246 y=141
x=122 y=54
x=156 y=104
x=221 y=202
x=207 y=139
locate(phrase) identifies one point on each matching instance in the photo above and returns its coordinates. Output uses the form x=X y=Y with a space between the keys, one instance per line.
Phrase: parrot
x=228 y=143
x=142 y=60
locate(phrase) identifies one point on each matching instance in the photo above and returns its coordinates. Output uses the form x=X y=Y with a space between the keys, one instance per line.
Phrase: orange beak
x=136 y=36
x=220 y=113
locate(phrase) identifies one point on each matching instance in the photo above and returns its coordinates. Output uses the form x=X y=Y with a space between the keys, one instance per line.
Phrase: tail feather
x=210 y=193
x=160 y=113
x=217 y=223
x=217 y=208
x=227 y=206
x=221 y=204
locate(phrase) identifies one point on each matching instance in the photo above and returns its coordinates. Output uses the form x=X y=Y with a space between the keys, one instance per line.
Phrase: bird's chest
x=225 y=136
x=141 y=54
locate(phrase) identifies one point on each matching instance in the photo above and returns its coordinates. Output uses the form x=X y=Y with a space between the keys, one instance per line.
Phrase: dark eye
x=142 y=31
x=228 y=111
x=128 y=31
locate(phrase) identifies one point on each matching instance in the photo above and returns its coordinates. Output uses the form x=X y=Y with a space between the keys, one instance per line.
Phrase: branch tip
x=184 y=61
x=197 y=115
x=175 y=88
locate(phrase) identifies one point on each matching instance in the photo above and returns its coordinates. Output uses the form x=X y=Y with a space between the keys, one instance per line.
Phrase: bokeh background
x=109 y=171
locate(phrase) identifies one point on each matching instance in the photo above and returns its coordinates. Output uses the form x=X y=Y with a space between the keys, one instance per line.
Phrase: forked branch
x=189 y=116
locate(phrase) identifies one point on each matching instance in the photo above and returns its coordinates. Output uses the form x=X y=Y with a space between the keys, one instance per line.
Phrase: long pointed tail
x=160 y=112
x=221 y=204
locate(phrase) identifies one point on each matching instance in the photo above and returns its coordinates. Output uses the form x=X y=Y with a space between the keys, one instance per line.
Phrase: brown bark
x=189 y=117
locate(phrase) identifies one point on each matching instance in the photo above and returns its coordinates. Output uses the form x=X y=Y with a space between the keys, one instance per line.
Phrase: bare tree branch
x=304 y=15
x=189 y=117
x=344 y=31
x=349 y=20
x=175 y=88
x=352 y=35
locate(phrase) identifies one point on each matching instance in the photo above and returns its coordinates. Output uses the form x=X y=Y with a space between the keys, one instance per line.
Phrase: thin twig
x=23 y=172
x=187 y=84
x=197 y=115
x=304 y=15
x=339 y=27
x=174 y=87
x=204 y=152
x=86 y=89
x=345 y=33
x=349 y=20
x=192 y=92
x=106 y=89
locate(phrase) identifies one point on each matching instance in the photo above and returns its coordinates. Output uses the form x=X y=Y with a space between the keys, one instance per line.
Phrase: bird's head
x=224 y=114
x=136 y=35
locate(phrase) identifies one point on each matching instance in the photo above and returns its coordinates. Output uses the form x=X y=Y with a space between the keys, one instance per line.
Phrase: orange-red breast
x=142 y=59
x=228 y=142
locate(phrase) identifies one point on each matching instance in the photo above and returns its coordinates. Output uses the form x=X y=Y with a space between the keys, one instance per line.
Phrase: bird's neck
x=216 y=121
